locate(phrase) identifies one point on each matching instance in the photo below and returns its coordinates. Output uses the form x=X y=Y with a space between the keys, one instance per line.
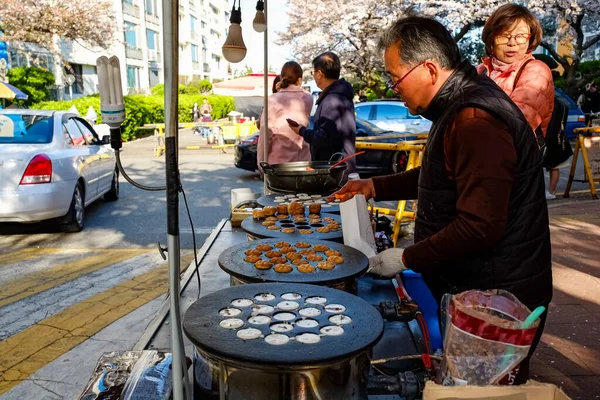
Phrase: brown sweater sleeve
x=481 y=159
x=402 y=186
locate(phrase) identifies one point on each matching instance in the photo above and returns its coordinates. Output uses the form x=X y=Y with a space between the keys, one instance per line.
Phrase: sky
x=277 y=21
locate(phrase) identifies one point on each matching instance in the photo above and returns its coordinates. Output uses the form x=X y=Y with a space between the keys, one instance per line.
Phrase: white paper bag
x=356 y=225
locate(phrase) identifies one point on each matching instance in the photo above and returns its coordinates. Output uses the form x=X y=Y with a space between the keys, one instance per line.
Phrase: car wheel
x=399 y=162
x=73 y=221
x=113 y=193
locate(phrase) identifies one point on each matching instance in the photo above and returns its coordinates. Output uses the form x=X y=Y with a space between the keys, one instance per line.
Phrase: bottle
x=353 y=176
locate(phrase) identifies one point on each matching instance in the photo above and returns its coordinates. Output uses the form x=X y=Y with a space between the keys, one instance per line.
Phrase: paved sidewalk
x=569 y=353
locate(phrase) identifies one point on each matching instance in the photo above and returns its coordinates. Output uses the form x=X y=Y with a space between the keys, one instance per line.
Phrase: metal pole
x=266 y=96
x=181 y=387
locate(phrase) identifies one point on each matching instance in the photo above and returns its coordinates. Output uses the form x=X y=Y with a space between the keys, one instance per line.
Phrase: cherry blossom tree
x=350 y=28
x=43 y=22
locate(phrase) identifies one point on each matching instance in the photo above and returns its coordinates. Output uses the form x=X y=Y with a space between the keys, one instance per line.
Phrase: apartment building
x=139 y=46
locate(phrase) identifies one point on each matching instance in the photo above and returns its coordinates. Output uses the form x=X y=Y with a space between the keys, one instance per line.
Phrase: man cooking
x=482 y=219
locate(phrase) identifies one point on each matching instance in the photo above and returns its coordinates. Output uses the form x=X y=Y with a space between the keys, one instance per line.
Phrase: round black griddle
x=255 y=228
x=201 y=326
x=269 y=200
x=232 y=262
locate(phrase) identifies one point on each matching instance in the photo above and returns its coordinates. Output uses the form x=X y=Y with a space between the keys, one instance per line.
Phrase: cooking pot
x=311 y=177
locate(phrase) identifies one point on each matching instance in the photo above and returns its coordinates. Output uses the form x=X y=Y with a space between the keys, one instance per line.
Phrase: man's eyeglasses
x=393 y=86
x=521 y=38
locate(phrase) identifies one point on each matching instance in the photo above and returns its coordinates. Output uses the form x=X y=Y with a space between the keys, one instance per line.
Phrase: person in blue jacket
x=334 y=127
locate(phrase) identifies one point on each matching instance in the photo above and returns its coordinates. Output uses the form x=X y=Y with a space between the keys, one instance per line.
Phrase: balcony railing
x=206 y=67
x=132 y=52
x=195 y=66
x=195 y=36
x=130 y=8
x=154 y=55
x=153 y=19
x=192 y=6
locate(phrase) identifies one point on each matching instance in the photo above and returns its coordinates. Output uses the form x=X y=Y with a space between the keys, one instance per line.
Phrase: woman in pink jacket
x=291 y=101
x=510 y=34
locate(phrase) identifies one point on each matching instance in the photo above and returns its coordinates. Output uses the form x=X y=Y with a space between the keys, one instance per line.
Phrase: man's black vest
x=520 y=261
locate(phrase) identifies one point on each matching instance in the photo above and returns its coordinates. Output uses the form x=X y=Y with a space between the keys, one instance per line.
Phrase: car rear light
x=252 y=140
x=581 y=118
x=39 y=170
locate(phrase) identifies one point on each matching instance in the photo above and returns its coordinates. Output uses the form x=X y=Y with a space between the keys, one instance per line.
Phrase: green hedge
x=142 y=109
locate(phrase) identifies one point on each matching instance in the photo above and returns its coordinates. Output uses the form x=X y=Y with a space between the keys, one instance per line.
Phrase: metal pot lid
x=306 y=168
x=232 y=261
x=274 y=199
x=309 y=344
x=256 y=228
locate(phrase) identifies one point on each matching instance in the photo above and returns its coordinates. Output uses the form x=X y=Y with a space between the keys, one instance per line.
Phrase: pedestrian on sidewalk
x=334 y=124
x=289 y=101
x=510 y=34
x=196 y=118
x=482 y=220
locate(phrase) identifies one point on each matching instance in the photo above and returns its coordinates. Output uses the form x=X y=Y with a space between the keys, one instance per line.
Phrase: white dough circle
x=309 y=312
x=316 y=300
x=262 y=309
x=335 y=308
x=232 y=323
x=291 y=296
x=307 y=338
x=282 y=327
x=230 y=312
x=264 y=297
x=242 y=302
x=307 y=323
x=316 y=196
x=249 y=334
x=340 y=319
x=277 y=339
x=332 y=330
x=259 y=320
x=288 y=305
x=284 y=316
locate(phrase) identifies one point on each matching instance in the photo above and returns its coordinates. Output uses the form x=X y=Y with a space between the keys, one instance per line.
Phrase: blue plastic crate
x=418 y=290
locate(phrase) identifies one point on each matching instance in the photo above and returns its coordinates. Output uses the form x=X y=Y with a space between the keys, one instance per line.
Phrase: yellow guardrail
x=586 y=137
x=230 y=131
x=415 y=150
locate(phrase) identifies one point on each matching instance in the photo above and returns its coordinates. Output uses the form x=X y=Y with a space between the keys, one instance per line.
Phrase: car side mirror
x=106 y=139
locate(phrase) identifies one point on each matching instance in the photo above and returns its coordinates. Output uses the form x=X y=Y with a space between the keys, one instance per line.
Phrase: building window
x=202 y=25
x=151 y=7
x=217 y=61
x=133 y=77
x=193 y=22
x=77 y=71
x=194 y=53
x=151 y=39
x=204 y=55
x=130 y=34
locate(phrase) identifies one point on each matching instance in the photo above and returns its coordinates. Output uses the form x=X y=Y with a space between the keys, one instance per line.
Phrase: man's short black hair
x=420 y=39
x=329 y=64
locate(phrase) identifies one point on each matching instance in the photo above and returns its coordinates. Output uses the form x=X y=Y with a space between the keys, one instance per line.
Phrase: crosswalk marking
x=40 y=281
x=26 y=352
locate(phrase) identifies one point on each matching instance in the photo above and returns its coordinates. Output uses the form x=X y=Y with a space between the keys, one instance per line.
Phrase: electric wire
x=193 y=237
x=130 y=180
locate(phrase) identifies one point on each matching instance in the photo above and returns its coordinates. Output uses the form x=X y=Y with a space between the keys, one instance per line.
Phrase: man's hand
x=361 y=186
x=296 y=129
x=387 y=263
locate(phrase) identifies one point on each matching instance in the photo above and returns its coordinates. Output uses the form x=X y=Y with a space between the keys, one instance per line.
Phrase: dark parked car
x=373 y=162
x=575 y=119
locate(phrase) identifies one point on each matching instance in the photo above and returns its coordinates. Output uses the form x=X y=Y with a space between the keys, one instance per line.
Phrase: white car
x=52 y=165
x=392 y=115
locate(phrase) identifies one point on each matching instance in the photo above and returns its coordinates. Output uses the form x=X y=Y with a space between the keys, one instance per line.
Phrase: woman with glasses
x=510 y=34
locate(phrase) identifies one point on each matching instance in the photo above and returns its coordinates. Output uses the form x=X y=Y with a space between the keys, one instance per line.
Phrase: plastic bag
x=110 y=375
x=484 y=339
x=356 y=225
x=150 y=378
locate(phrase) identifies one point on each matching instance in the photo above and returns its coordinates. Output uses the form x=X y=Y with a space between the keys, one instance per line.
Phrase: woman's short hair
x=505 y=17
x=290 y=73
x=275 y=82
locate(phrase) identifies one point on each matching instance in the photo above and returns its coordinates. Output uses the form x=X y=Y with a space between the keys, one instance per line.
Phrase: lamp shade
x=260 y=20
x=234 y=49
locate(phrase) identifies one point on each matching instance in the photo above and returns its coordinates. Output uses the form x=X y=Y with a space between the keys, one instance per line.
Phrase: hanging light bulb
x=260 y=21
x=234 y=49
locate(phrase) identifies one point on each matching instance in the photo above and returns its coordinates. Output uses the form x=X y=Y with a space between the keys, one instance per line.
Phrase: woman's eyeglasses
x=521 y=38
